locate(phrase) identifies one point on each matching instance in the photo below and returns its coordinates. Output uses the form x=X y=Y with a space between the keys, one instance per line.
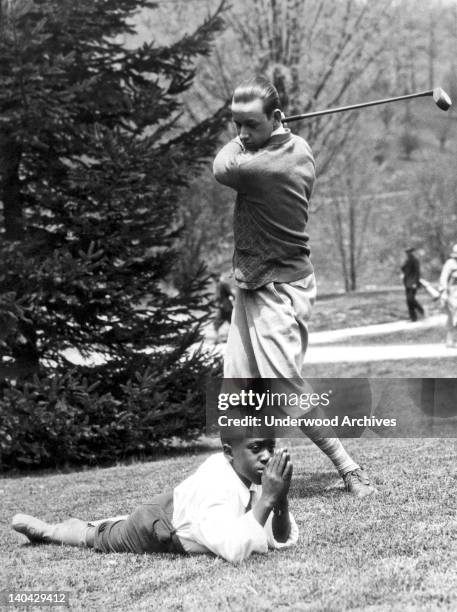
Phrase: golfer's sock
x=334 y=450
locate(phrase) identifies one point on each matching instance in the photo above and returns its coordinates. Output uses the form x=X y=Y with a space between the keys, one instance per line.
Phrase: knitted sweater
x=449 y=269
x=273 y=187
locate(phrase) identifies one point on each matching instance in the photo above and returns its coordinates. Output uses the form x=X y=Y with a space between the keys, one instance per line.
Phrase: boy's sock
x=72 y=531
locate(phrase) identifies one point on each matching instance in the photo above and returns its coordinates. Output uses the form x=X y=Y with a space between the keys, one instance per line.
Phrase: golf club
x=441 y=98
x=429 y=288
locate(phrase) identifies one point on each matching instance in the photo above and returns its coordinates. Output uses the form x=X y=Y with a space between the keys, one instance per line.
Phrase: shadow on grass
x=319 y=484
x=195 y=447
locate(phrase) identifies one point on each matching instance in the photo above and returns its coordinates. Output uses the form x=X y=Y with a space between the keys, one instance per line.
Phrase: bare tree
x=350 y=212
x=434 y=215
x=318 y=54
x=322 y=53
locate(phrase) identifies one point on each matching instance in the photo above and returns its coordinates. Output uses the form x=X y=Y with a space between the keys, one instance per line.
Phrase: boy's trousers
x=147 y=530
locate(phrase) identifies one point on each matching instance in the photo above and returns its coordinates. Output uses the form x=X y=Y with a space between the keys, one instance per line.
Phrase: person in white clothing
x=235 y=504
x=448 y=296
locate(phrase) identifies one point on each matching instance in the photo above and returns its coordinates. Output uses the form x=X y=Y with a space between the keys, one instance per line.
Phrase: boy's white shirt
x=209 y=514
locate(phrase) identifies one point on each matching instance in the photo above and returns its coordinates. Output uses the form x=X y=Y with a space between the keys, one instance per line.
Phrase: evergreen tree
x=92 y=171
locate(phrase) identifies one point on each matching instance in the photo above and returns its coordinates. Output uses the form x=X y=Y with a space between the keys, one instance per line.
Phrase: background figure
x=448 y=296
x=224 y=299
x=411 y=277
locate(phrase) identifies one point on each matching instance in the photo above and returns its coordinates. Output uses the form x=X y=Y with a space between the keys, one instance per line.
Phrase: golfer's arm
x=226 y=165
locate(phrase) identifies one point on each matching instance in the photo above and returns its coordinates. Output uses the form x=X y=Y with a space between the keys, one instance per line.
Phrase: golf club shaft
x=429 y=288
x=341 y=109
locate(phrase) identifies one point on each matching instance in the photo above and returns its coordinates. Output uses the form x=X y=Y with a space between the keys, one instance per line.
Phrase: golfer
x=234 y=505
x=448 y=296
x=273 y=172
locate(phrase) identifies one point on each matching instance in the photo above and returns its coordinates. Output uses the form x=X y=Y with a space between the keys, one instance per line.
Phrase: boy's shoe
x=73 y=531
x=357 y=483
x=32 y=527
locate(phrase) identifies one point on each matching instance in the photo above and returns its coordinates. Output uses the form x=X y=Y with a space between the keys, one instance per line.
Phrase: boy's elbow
x=233 y=559
x=236 y=550
x=236 y=556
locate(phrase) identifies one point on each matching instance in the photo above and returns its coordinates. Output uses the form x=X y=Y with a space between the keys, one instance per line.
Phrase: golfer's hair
x=258 y=88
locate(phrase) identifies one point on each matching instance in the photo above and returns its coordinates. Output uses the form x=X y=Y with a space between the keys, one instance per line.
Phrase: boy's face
x=253 y=126
x=249 y=457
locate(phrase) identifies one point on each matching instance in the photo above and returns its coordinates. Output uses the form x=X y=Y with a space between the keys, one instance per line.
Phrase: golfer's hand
x=276 y=477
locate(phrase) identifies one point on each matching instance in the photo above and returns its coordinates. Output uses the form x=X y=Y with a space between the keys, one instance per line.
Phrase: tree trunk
x=341 y=242
x=431 y=50
x=352 y=246
x=10 y=189
x=25 y=352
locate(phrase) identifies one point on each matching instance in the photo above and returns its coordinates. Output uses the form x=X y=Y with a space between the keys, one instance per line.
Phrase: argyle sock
x=324 y=437
x=334 y=450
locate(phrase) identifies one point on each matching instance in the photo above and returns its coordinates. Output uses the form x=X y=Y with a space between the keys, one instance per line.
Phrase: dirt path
x=326 y=337
x=377 y=352
x=334 y=345
x=323 y=350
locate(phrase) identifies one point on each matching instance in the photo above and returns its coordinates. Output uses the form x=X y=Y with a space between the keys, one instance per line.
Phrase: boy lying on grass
x=235 y=504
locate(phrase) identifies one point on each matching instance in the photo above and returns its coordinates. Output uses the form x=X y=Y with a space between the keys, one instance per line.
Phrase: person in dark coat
x=224 y=298
x=411 y=278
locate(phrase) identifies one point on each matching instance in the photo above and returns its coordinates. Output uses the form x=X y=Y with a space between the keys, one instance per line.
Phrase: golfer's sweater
x=274 y=185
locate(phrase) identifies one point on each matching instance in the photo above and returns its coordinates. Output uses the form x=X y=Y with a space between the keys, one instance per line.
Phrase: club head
x=442 y=100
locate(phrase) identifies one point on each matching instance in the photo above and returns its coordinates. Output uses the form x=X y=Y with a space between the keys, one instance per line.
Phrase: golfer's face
x=250 y=457
x=252 y=124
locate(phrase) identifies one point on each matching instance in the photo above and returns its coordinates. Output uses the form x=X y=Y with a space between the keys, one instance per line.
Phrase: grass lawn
x=428 y=335
x=405 y=368
x=358 y=309
x=397 y=551
x=365 y=308
x=445 y=367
